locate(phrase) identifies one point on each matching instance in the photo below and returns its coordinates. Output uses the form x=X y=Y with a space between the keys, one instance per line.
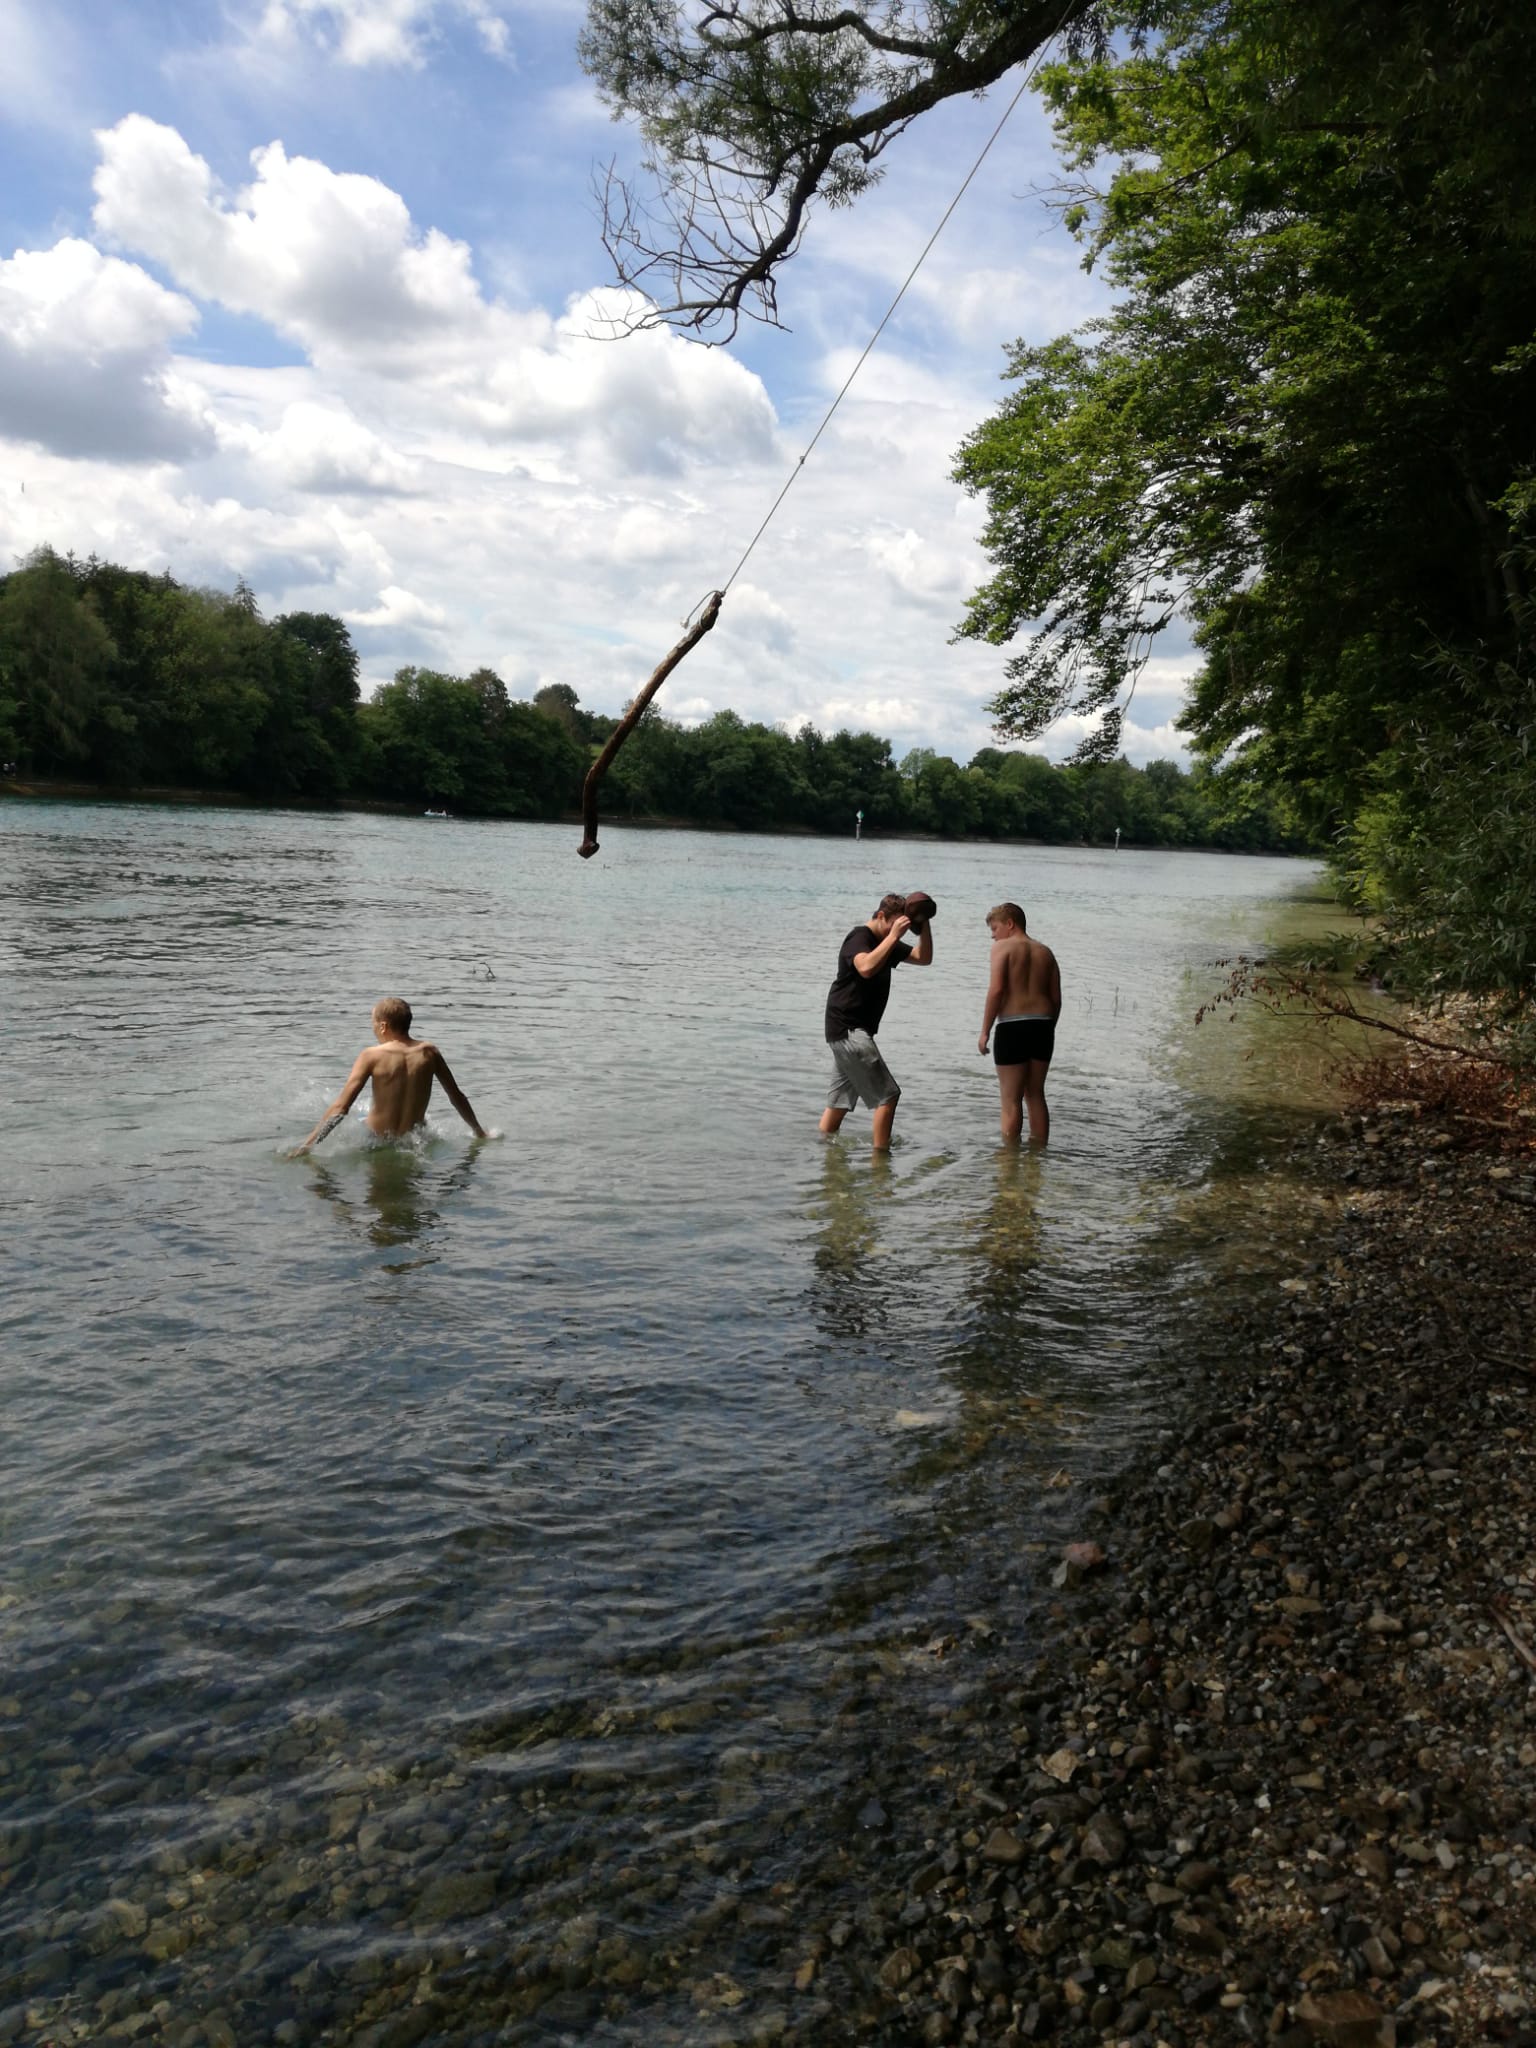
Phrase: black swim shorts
x=1017 y=1039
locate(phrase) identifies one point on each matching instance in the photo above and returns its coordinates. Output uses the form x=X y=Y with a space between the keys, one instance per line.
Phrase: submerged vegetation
x=124 y=679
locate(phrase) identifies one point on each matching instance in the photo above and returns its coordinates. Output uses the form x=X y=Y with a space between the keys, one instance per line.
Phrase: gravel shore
x=1274 y=1776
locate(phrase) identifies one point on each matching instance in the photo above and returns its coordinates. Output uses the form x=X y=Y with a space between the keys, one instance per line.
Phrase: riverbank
x=1275 y=1776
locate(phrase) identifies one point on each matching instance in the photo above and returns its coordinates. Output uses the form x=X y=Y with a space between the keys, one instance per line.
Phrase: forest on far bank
x=125 y=679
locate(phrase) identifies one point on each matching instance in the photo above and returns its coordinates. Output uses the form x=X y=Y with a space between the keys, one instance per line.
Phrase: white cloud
x=326 y=257
x=398 y=608
x=1139 y=743
x=924 y=570
x=380 y=32
x=324 y=448
x=85 y=364
x=762 y=618
x=886 y=715
x=333 y=260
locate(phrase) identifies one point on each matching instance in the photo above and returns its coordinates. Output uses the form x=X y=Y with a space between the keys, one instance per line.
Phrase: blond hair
x=393 y=1012
x=1010 y=911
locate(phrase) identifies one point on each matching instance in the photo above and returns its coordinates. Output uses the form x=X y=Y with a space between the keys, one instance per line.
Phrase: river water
x=474 y=1592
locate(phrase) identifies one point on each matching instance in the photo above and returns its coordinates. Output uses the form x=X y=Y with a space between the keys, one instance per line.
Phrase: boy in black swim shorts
x=1023 y=1003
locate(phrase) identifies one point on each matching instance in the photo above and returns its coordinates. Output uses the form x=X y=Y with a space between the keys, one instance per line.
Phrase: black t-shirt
x=856 y=1002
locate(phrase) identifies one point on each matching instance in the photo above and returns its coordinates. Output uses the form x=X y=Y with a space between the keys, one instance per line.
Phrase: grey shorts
x=861 y=1076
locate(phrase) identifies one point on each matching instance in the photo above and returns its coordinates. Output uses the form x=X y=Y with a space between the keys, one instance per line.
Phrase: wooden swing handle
x=632 y=717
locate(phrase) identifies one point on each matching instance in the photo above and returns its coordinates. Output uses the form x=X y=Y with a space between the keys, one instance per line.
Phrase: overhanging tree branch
x=754 y=109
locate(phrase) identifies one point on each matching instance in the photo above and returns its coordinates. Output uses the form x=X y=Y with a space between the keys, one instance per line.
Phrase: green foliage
x=1443 y=855
x=1309 y=427
x=451 y=741
x=55 y=657
x=1301 y=422
x=729 y=772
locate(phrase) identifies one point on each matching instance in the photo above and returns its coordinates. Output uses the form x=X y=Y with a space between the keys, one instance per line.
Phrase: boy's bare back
x=401 y=1070
x=402 y=1073
x=1028 y=974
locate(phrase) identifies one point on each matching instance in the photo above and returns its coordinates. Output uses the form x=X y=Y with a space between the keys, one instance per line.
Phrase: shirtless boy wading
x=402 y=1070
x=1023 y=1003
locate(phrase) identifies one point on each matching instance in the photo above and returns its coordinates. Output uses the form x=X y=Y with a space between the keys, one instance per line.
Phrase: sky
x=313 y=293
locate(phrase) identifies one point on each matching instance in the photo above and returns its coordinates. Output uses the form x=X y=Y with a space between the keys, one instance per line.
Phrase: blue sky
x=311 y=292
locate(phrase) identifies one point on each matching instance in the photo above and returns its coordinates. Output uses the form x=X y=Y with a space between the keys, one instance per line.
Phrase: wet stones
x=1217 y=1822
x=1104 y=1841
x=1003 y=1847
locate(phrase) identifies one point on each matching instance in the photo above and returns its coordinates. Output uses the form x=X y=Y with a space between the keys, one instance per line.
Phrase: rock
x=1104 y=1840
x=899 y=1968
x=457 y=1895
x=1195 y=1878
x=1003 y=1847
x=128 y=1916
x=166 y=1940
x=1346 y=2019
x=954 y=1989
x=1062 y=1765
x=1198 y=1934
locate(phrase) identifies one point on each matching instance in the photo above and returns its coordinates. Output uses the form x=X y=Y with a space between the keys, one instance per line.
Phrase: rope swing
x=632 y=717
x=712 y=604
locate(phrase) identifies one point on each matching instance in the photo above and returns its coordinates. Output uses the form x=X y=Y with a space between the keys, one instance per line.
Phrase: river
x=482 y=1581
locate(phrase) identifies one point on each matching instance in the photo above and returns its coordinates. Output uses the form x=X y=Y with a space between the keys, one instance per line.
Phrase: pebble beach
x=1274 y=1776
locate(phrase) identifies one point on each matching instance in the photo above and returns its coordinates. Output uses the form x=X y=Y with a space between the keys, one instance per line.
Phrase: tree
x=559 y=702
x=1302 y=424
x=943 y=798
x=752 y=109
x=55 y=655
x=846 y=774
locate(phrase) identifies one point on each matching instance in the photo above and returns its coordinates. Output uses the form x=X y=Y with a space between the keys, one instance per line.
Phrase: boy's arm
x=456 y=1094
x=923 y=956
x=362 y=1067
x=996 y=985
x=871 y=962
x=1055 y=989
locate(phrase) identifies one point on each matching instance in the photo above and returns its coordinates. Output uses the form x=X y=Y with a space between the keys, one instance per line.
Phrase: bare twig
x=1522 y=1648
x=1274 y=991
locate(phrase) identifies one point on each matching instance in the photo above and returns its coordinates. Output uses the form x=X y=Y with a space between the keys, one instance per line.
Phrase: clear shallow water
x=485 y=1576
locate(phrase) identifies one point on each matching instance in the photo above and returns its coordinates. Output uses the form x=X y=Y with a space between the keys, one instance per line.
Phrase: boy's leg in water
x=884 y=1117
x=831 y=1119
x=1010 y=1088
x=1034 y=1101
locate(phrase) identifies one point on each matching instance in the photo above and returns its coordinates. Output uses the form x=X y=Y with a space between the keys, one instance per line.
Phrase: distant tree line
x=124 y=679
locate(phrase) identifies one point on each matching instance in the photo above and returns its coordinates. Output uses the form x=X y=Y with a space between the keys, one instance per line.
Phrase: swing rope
x=710 y=604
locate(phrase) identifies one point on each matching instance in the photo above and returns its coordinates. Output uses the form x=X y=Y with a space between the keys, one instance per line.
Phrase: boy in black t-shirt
x=856 y=1003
